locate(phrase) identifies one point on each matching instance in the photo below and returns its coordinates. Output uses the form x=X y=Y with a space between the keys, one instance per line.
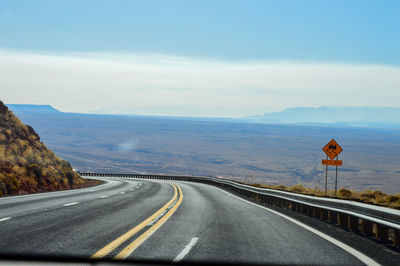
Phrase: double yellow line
x=139 y=240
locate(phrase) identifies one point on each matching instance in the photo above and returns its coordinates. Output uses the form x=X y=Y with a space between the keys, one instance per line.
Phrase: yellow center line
x=135 y=244
x=117 y=242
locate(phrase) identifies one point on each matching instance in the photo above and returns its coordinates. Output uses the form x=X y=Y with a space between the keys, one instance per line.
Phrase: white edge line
x=5 y=219
x=364 y=258
x=70 y=204
x=55 y=193
x=186 y=250
x=103 y=197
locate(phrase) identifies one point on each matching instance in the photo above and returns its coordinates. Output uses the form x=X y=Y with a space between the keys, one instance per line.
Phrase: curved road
x=170 y=221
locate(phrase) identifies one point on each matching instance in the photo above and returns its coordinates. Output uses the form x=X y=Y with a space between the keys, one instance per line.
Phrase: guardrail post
x=343 y=220
x=318 y=212
x=263 y=198
x=396 y=238
x=309 y=210
x=323 y=214
x=366 y=227
x=303 y=208
x=256 y=197
x=382 y=232
x=352 y=223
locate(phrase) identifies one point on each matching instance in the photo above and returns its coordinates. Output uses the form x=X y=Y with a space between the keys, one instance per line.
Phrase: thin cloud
x=86 y=82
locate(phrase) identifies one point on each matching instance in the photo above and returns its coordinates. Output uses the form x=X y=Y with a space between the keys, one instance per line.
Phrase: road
x=171 y=221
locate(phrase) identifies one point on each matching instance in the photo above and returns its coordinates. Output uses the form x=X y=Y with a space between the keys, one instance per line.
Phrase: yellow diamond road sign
x=332 y=149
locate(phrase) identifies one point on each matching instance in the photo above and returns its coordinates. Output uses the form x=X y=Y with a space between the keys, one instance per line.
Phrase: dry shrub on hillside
x=392 y=199
x=299 y=188
x=345 y=193
x=9 y=184
x=26 y=165
x=281 y=187
x=367 y=196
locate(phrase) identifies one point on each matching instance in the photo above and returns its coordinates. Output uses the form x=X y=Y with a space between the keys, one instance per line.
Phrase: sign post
x=326 y=177
x=332 y=150
x=337 y=157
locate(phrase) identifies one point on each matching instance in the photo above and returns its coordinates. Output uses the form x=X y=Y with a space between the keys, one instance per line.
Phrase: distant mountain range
x=42 y=109
x=363 y=116
x=333 y=115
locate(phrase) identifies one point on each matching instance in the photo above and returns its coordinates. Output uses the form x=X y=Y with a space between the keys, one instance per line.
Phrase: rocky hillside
x=26 y=165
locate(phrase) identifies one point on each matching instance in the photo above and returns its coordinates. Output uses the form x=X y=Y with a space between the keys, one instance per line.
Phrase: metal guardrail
x=372 y=221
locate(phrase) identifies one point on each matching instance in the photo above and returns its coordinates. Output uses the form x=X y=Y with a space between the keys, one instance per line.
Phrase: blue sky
x=350 y=31
x=224 y=33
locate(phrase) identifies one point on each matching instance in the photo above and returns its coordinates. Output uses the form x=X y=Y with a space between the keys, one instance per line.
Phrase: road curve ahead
x=172 y=221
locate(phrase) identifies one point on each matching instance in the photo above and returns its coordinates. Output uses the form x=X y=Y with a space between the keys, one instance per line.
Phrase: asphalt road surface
x=170 y=221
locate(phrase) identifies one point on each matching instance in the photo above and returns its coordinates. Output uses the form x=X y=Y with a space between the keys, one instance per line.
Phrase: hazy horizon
x=369 y=116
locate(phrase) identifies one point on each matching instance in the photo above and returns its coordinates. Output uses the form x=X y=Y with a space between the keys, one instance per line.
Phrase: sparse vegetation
x=368 y=196
x=26 y=165
x=345 y=193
